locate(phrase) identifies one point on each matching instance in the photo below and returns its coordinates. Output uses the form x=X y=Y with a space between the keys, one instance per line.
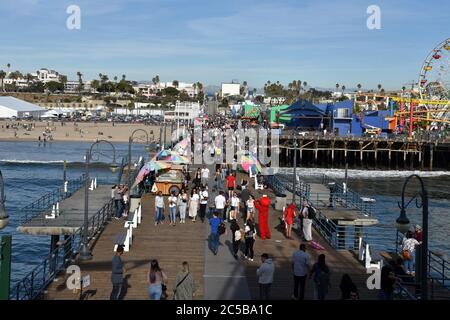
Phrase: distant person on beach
x=184 y=284
x=117 y=274
x=300 y=269
x=157 y=281
x=265 y=276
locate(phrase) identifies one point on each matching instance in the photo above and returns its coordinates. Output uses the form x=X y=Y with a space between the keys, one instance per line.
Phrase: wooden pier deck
x=169 y=245
x=71 y=213
x=173 y=245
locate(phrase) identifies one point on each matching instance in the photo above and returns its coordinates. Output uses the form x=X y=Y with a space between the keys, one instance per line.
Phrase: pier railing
x=279 y=183
x=49 y=199
x=347 y=197
x=33 y=285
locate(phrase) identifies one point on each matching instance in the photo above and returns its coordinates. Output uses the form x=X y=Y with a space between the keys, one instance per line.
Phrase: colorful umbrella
x=157 y=165
x=182 y=146
x=250 y=162
x=141 y=175
x=162 y=154
x=175 y=158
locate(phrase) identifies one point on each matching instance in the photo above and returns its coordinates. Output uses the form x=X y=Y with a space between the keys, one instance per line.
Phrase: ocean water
x=30 y=170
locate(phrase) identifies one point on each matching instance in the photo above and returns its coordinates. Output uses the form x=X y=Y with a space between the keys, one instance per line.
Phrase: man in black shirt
x=387 y=282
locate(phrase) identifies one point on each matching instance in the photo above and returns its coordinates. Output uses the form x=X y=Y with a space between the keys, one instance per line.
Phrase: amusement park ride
x=432 y=110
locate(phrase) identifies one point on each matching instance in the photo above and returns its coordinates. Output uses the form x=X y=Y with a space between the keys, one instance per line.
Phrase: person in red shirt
x=231 y=184
x=263 y=205
x=289 y=214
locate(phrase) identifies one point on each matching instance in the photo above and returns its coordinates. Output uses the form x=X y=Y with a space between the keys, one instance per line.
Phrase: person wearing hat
x=418 y=233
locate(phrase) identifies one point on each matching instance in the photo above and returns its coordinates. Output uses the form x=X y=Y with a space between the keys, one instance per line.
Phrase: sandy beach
x=79 y=131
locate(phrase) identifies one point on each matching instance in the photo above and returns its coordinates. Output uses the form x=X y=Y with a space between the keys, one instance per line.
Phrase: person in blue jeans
x=173 y=208
x=159 y=207
x=156 y=280
x=214 y=236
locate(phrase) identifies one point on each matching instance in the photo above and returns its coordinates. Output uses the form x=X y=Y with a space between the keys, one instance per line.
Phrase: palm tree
x=157 y=78
x=9 y=66
x=305 y=84
x=343 y=89
x=359 y=86
x=379 y=87
x=337 y=86
x=2 y=77
x=115 y=78
x=124 y=77
x=175 y=83
x=80 y=81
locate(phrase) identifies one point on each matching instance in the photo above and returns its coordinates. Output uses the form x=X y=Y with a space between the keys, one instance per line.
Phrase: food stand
x=171 y=180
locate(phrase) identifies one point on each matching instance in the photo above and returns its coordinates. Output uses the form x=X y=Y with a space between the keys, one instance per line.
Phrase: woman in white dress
x=193 y=204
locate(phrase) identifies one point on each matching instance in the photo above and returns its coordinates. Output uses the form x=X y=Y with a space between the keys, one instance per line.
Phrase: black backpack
x=221 y=229
x=311 y=213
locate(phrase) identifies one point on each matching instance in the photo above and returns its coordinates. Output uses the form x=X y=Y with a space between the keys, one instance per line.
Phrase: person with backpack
x=235 y=237
x=308 y=214
x=321 y=277
x=250 y=235
x=217 y=228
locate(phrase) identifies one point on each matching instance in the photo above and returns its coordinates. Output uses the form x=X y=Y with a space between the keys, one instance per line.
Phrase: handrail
x=49 y=199
x=35 y=282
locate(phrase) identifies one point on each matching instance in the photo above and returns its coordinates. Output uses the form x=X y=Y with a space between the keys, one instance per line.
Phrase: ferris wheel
x=434 y=80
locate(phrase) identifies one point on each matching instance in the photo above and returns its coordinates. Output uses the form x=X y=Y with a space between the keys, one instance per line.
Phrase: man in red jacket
x=263 y=205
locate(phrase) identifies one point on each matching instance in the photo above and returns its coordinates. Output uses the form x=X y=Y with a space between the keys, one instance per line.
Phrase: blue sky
x=322 y=42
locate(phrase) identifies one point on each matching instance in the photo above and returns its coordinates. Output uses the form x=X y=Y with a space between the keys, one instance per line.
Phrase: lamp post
x=130 y=141
x=85 y=252
x=4 y=218
x=403 y=223
x=294 y=180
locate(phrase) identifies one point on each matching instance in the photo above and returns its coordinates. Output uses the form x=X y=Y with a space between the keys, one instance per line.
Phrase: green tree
x=95 y=84
x=175 y=83
x=2 y=77
x=170 y=91
x=80 y=86
x=15 y=75
x=359 y=86
x=54 y=86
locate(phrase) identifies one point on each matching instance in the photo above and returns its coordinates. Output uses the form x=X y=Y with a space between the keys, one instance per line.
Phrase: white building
x=44 y=75
x=150 y=90
x=72 y=86
x=230 y=89
x=183 y=111
x=20 y=83
x=12 y=107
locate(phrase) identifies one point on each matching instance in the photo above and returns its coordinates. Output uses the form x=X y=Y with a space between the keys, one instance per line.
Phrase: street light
x=130 y=141
x=4 y=218
x=294 y=180
x=403 y=224
x=85 y=252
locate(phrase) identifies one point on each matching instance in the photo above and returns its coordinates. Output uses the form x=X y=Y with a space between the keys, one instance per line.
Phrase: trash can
x=135 y=201
x=280 y=202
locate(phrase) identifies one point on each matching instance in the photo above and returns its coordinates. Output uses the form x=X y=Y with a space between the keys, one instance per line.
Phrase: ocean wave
x=365 y=174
